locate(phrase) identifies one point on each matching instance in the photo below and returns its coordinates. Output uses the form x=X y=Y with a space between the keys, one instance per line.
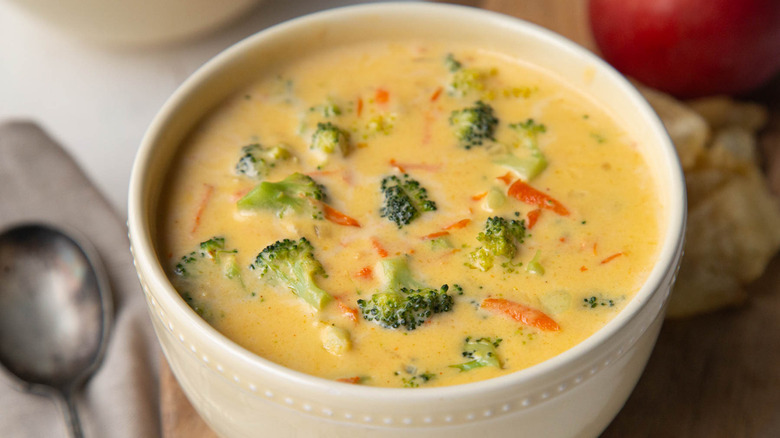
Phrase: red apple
x=690 y=48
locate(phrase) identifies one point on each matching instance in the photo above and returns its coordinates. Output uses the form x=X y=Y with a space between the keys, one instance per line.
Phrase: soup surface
x=408 y=214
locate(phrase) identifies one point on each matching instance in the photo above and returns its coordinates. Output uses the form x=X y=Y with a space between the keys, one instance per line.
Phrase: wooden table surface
x=713 y=376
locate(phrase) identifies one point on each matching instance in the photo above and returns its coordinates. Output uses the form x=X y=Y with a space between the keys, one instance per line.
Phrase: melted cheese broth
x=395 y=100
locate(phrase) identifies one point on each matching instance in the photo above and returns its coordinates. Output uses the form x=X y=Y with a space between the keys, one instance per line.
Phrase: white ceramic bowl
x=136 y=22
x=240 y=394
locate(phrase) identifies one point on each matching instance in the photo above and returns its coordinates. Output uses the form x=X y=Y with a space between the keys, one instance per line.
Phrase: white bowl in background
x=136 y=22
x=239 y=394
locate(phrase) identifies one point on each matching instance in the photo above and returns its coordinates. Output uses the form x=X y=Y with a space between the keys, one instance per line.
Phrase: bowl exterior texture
x=575 y=394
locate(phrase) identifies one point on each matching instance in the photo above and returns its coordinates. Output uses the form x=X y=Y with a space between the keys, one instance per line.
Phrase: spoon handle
x=71 y=415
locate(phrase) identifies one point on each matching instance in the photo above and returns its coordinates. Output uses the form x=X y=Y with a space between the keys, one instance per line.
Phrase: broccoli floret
x=464 y=80
x=441 y=243
x=213 y=251
x=482 y=353
x=292 y=264
x=298 y=193
x=404 y=199
x=467 y=80
x=210 y=256
x=500 y=238
x=317 y=118
x=530 y=161
x=380 y=124
x=204 y=311
x=256 y=161
x=530 y=129
x=327 y=109
x=406 y=307
x=413 y=382
x=282 y=89
x=403 y=301
x=329 y=139
x=473 y=125
x=593 y=301
x=451 y=63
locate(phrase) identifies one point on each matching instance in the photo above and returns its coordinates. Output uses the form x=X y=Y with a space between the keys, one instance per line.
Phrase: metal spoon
x=55 y=312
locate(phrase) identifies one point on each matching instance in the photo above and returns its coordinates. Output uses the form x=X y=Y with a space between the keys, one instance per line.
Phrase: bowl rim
x=149 y=267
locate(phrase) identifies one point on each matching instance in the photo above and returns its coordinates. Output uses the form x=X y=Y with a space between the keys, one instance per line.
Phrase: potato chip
x=769 y=145
x=701 y=182
x=699 y=290
x=722 y=111
x=688 y=130
x=733 y=219
x=732 y=235
x=733 y=148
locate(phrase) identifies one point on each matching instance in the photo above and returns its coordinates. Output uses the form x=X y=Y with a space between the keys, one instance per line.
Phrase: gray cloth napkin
x=40 y=182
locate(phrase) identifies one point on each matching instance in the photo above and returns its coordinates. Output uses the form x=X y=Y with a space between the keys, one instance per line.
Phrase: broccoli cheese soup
x=408 y=214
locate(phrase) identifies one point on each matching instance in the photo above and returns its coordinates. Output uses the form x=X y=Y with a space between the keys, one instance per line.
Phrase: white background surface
x=97 y=101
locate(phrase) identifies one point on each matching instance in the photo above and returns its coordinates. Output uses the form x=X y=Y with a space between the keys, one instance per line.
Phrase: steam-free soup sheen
x=591 y=237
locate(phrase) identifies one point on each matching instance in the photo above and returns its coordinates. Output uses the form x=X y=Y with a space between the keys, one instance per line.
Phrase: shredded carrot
x=381 y=96
x=359 y=106
x=397 y=166
x=347 y=177
x=478 y=196
x=365 y=272
x=533 y=216
x=521 y=313
x=595 y=252
x=612 y=257
x=525 y=193
x=239 y=194
x=353 y=380
x=458 y=225
x=427 y=131
x=209 y=190
x=562 y=239
x=447 y=254
x=348 y=311
x=403 y=167
x=583 y=268
x=323 y=172
x=436 y=94
x=506 y=179
x=379 y=248
x=435 y=235
x=424 y=166
x=338 y=217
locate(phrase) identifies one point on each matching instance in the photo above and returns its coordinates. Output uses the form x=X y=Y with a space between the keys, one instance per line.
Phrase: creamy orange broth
x=604 y=248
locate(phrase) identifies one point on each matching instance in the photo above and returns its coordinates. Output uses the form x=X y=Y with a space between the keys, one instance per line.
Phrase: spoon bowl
x=55 y=310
